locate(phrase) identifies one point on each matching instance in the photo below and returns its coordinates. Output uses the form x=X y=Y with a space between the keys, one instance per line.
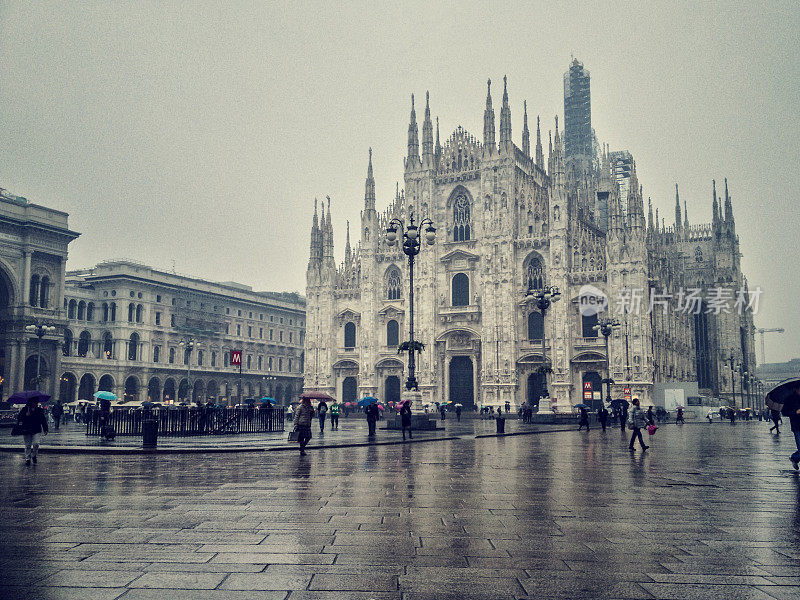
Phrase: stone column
x=26 y=278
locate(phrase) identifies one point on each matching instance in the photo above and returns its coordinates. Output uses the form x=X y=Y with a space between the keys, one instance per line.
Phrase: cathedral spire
x=488 y=122
x=438 y=144
x=728 y=204
x=348 y=252
x=316 y=240
x=369 y=186
x=413 y=137
x=714 y=204
x=505 y=118
x=649 y=214
x=685 y=217
x=539 y=153
x=678 y=220
x=427 y=133
x=526 y=134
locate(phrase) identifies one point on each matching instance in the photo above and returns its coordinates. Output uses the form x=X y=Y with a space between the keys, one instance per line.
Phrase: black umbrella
x=781 y=392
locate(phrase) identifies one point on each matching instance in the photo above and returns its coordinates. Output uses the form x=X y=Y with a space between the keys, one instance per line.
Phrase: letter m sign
x=236 y=358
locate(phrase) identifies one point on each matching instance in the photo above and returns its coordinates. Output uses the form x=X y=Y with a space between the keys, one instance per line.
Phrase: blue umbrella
x=367 y=401
x=581 y=405
x=268 y=399
x=105 y=395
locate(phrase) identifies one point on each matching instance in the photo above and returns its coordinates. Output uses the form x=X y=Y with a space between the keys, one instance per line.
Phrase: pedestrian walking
x=623 y=417
x=334 y=415
x=32 y=423
x=679 y=417
x=405 y=419
x=791 y=409
x=775 y=415
x=602 y=416
x=57 y=411
x=584 y=419
x=322 y=412
x=636 y=420
x=650 y=418
x=302 y=423
x=442 y=412
x=458 y=414
x=710 y=416
x=371 y=411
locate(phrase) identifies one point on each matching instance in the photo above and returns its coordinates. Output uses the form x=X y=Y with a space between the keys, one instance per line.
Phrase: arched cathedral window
x=461 y=219
x=698 y=254
x=534 y=275
x=394 y=286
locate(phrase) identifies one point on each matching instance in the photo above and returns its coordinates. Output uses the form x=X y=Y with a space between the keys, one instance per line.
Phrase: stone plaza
x=710 y=511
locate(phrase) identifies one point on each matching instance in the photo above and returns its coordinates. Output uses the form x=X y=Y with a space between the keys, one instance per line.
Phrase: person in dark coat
x=602 y=416
x=302 y=423
x=458 y=413
x=775 y=415
x=405 y=419
x=584 y=420
x=679 y=417
x=322 y=412
x=57 y=411
x=791 y=409
x=33 y=423
x=623 y=417
x=651 y=420
x=371 y=411
x=442 y=412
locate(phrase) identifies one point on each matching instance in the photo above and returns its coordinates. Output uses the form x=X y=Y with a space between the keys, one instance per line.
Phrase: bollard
x=149 y=433
x=501 y=425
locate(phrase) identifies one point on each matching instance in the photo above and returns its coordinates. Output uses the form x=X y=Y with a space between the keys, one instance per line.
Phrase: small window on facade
x=156 y=353
x=392 y=333
x=158 y=298
x=350 y=335
x=158 y=318
x=460 y=290
x=171 y=355
x=239 y=330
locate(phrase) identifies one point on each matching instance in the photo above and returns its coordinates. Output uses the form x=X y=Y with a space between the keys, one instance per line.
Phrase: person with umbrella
x=789 y=394
x=405 y=419
x=602 y=416
x=32 y=423
x=584 y=422
x=458 y=412
x=372 y=413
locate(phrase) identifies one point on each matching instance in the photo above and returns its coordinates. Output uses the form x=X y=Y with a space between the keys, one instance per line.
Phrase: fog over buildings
x=198 y=137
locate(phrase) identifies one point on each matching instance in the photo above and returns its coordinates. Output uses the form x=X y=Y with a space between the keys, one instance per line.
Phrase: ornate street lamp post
x=605 y=326
x=39 y=330
x=733 y=380
x=411 y=247
x=188 y=345
x=543 y=297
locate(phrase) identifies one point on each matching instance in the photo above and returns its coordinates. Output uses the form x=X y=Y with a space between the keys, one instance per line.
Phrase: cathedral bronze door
x=535 y=388
x=392 y=389
x=462 y=387
x=349 y=389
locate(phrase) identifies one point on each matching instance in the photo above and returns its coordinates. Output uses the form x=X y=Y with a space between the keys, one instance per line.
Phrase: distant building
x=33 y=255
x=146 y=334
x=773 y=373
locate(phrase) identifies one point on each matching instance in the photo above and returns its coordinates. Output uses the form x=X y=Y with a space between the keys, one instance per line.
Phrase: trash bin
x=149 y=433
x=501 y=424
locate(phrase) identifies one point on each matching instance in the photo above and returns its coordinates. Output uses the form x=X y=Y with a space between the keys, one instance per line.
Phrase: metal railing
x=187 y=421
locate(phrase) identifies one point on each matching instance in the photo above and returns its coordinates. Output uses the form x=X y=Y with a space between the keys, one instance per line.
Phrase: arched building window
x=84 y=342
x=34 y=295
x=460 y=291
x=133 y=346
x=113 y=311
x=67 y=349
x=698 y=254
x=44 y=292
x=81 y=310
x=171 y=355
x=73 y=308
x=535 y=326
x=90 y=311
x=462 y=221
x=105 y=311
x=392 y=333
x=394 y=285
x=350 y=335
x=131 y=310
x=139 y=309
x=108 y=345
x=534 y=274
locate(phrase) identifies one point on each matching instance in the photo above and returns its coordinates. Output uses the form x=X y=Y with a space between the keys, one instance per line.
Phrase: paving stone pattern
x=710 y=511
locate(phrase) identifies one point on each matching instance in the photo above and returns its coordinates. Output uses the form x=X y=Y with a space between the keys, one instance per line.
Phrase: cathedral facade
x=509 y=220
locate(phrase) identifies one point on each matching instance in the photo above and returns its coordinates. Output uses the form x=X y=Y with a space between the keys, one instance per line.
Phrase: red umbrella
x=316 y=395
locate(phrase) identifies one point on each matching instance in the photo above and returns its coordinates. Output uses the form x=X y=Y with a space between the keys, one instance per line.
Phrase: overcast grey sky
x=200 y=133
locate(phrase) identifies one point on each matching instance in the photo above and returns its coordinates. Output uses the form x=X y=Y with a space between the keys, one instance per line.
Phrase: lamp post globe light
x=605 y=326
x=411 y=246
x=544 y=298
x=40 y=330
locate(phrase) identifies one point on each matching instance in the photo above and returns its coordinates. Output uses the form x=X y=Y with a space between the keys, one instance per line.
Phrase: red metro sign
x=236 y=358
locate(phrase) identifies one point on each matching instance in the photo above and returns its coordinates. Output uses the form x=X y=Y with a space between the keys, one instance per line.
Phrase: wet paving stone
x=708 y=512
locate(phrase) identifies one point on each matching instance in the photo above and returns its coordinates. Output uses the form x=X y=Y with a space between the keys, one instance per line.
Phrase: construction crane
x=762 y=332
